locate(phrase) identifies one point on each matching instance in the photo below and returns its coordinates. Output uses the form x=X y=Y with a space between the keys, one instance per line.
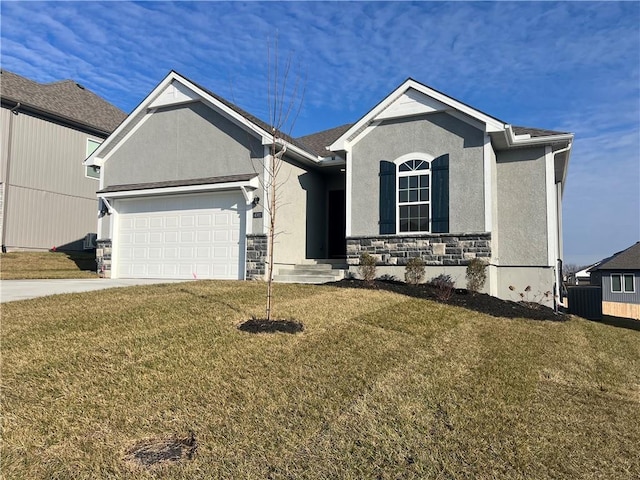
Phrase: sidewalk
x=12 y=290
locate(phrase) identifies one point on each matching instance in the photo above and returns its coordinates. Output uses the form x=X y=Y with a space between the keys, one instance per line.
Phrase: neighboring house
x=581 y=277
x=619 y=278
x=47 y=196
x=421 y=174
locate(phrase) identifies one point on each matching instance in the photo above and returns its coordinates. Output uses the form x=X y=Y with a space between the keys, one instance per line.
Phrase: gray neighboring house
x=47 y=196
x=619 y=278
x=421 y=174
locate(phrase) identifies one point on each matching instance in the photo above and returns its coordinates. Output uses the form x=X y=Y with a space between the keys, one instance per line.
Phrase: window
x=92 y=171
x=622 y=283
x=414 y=197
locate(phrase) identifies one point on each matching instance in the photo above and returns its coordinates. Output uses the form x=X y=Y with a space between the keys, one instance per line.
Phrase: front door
x=337 y=224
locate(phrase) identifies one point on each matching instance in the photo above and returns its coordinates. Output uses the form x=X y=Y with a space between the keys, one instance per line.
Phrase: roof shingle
x=65 y=99
x=317 y=142
x=536 y=132
x=628 y=259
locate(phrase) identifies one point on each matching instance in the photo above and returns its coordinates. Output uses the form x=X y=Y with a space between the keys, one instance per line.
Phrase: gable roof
x=628 y=259
x=189 y=91
x=506 y=135
x=66 y=100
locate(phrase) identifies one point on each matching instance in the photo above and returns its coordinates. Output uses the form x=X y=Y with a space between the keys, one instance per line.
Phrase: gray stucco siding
x=620 y=297
x=522 y=207
x=181 y=143
x=434 y=135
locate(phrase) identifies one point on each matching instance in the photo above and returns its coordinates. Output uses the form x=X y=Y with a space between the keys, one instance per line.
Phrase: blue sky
x=568 y=66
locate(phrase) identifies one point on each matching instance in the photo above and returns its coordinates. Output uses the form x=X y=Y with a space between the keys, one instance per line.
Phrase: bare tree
x=285 y=91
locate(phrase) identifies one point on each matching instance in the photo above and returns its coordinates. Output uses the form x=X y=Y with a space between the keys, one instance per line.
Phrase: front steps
x=315 y=271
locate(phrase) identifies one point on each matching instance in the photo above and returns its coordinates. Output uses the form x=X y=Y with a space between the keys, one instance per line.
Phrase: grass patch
x=33 y=265
x=377 y=385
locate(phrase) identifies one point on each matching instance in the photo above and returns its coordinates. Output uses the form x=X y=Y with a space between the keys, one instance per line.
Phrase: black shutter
x=387 y=197
x=440 y=194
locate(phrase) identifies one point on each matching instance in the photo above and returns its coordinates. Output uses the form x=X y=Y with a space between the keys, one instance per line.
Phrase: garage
x=197 y=236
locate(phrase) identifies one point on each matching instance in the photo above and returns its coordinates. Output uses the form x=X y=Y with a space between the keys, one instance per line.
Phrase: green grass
x=32 y=265
x=377 y=386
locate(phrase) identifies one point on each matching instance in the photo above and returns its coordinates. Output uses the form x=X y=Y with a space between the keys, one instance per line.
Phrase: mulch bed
x=460 y=297
x=262 y=325
x=151 y=452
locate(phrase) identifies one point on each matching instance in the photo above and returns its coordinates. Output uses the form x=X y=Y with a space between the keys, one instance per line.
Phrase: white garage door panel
x=190 y=236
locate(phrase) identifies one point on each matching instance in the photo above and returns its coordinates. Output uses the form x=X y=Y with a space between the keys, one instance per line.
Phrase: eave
x=54 y=117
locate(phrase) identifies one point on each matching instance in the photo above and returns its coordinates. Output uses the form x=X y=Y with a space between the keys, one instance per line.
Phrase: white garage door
x=181 y=236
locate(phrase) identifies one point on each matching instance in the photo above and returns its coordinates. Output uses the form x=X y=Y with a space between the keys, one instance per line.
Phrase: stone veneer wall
x=434 y=249
x=103 y=257
x=256 y=256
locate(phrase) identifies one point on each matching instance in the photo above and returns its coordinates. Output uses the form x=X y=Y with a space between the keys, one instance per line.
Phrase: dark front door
x=337 y=224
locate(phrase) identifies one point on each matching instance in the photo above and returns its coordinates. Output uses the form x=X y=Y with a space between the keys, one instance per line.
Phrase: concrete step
x=305 y=278
x=305 y=270
x=309 y=273
x=336 y=263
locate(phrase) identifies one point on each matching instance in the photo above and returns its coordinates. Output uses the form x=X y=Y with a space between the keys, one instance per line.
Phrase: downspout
x=5 y=195
x=558 y=267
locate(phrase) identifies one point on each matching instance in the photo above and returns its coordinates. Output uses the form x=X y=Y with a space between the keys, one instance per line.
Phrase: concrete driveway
x=12 y=290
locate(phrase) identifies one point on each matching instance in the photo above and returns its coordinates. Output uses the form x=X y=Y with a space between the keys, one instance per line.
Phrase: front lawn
x=378 y=385
x=31 y=265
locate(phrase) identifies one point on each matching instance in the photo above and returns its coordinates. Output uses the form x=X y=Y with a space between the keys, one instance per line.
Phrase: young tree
x=285 y=93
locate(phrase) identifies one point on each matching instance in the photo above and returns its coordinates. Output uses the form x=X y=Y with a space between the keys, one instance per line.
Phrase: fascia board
x=329 y=162
x=291 y=148
x=514 y=140
x=492 y=124
x=260 y=132
x=251 y=184
x=96 y=157
x=342 y=142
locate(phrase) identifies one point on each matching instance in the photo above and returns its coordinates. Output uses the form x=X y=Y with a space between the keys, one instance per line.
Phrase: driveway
x=12 y=290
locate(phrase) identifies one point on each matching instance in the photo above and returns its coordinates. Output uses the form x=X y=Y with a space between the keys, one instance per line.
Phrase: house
x=581 y=277
x=619 y=279
x=47 y=197
x=421 y=174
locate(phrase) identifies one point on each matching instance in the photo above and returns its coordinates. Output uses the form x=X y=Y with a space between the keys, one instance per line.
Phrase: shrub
x=367 y=267
x=476 y=275
x=444 y=287
x=531 y=300
x=414 y=271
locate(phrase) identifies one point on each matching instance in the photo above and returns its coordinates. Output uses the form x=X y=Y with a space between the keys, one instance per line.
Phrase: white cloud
x=566 y=66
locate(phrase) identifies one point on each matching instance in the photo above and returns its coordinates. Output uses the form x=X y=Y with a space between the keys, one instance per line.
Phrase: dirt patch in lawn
x=262 y=325
x=150 y=452
x=478 y=302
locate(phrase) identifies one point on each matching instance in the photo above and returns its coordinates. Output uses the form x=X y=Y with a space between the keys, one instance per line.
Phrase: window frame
x=88 y=152
x=622 y=282
x=413 y=173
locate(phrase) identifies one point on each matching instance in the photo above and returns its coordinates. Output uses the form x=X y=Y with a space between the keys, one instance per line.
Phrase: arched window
x=414 y=196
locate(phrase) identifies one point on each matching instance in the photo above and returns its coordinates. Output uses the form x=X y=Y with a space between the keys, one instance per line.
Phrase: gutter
x=514 y=140
x=566 y=163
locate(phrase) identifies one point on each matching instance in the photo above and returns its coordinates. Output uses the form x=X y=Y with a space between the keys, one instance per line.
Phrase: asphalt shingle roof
x=317 y=142
x=628 y=259
x=179 y=183
x=535 y=132
x=66 y=100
